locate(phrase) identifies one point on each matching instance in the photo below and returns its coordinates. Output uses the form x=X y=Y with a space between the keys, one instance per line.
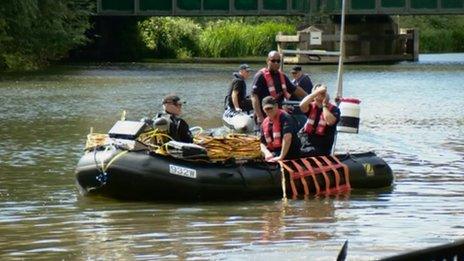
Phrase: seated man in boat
x=301 y=79
x=271 y=81
x=279 y=138
x=236 y=103
x=177 y=128
x=235 y=100
x=320 y=127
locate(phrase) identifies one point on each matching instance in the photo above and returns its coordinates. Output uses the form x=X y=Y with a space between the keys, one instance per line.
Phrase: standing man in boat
x=301 y=79
x=236 y=101
x=271 y=81
x=177 y=128
x=279 y=138
x=322 y=121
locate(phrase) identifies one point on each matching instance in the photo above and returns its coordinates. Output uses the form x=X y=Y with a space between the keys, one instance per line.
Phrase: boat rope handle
x=324 y=174
x=335 y=171
x=103 y=176
x=312 y=174
x=346 y=171
x=102 y=162
x=301 y=171
x=291 y=173
x=120 y=154
x=309 y=169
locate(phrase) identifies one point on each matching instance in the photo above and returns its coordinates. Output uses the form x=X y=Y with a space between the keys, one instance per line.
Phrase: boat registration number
x=182 y=171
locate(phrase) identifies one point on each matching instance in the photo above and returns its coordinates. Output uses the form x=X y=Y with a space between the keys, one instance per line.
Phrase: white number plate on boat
x=181 y=171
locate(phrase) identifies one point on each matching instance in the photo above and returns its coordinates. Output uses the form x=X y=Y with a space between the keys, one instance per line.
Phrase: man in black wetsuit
x=178 y=129
x=236 y=101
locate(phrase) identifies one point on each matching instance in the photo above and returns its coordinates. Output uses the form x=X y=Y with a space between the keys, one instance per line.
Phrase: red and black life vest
x=275 y=141
x=312 y=115
x=271 y=86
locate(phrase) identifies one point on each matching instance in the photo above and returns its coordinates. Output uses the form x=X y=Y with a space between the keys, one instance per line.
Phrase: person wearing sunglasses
x=271 y=81
x=279 y=138
x=177 y=128
x=301 y=79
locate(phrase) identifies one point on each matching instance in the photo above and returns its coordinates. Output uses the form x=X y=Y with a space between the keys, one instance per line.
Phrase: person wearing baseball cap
x=279 y=138
x=178 y=129
x=301 y=79
x=236 y=94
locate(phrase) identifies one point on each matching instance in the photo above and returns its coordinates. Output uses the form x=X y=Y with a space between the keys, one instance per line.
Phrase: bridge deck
x=274 y=7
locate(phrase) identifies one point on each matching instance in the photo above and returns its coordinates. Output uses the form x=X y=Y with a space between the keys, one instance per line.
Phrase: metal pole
x=339 y=93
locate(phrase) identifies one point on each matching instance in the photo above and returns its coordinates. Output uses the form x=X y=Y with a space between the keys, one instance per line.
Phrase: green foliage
x=224 y=39
x=438 y=33
x=170 y=37
x=236 y=39
x=262 y=37
x=229 y=37
x=35 y=32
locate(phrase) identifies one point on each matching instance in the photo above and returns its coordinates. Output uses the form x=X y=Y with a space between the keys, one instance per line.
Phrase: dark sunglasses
x=268 y=108
x=274 y=61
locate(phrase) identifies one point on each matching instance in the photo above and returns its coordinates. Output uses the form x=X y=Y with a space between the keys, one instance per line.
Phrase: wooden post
x=279 y=43
x=416 y=44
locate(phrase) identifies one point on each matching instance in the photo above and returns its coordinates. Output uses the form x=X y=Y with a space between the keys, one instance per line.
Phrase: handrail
x=311 y=52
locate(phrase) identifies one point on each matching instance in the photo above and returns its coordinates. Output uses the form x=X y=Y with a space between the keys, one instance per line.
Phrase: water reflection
x=182 y=232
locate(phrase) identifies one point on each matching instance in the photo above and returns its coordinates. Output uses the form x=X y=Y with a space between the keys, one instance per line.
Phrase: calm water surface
x=412 y=116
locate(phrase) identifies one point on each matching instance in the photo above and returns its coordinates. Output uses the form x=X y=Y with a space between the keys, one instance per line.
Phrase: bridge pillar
x=368 y=38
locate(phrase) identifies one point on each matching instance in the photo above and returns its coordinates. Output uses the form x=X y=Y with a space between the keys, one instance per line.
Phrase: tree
x=35 y=32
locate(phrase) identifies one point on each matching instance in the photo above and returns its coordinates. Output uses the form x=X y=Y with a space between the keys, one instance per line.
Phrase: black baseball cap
x=171 y=98
x=296 y=68
x=245 y=67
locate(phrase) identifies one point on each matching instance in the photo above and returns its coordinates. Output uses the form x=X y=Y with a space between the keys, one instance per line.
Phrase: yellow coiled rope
x=230 y=146
x=155 y=141
x=237 y=146
x=95 y=140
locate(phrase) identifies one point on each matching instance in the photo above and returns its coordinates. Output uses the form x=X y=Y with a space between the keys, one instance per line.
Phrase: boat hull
x=143 y=176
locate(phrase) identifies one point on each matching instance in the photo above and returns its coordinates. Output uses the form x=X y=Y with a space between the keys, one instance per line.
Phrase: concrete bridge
x=275 y=7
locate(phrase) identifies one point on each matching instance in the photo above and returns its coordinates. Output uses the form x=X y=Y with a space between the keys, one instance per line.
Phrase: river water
x=412 y=116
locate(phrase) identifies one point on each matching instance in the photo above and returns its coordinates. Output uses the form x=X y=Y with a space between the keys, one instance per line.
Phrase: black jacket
x=238 y=84
x=178 y=128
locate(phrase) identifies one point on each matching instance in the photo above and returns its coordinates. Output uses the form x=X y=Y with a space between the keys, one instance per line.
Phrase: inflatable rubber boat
x=143 y=175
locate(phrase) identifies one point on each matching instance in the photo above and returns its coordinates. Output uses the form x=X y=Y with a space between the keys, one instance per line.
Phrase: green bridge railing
x=274 y=7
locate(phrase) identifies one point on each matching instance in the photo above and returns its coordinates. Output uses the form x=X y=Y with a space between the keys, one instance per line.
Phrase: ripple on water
x=44 y=118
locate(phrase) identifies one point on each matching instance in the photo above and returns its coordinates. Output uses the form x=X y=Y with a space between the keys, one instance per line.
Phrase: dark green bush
x=171 y=37
x=35 y=32
x=437 y=34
